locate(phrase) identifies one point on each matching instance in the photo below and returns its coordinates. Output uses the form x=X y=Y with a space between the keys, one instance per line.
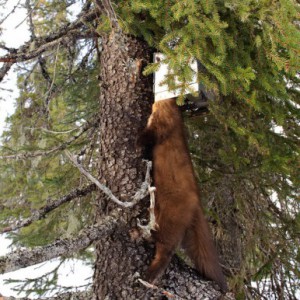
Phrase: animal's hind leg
x=160 y=262
x=168 y=237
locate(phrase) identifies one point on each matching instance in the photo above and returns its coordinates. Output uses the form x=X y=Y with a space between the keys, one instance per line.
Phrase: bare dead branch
x=139 y=195
x=25 y=54
x=50 y=206
x=152 y=225
x=80 y=295
x=24 y=258
x=42 y=44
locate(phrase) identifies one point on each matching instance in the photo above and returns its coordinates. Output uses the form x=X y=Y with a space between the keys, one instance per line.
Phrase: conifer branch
x=63 y=146
x=24 y=258
x=50 y=206
x=52 y=87
x=139 y=195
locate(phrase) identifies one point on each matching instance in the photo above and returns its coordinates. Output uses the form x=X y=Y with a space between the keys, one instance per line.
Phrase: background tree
x=245 y=146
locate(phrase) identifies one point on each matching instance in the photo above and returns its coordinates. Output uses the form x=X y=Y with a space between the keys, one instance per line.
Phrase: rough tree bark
x=125 y=104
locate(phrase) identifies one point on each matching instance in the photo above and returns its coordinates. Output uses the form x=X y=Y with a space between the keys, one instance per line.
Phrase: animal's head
x=165 y=118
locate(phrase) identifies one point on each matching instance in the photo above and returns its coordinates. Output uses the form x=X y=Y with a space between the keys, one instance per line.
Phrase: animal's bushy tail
x=200 y=247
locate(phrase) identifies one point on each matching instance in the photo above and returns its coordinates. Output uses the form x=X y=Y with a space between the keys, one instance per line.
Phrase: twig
x=160 y=290
x=139 y=195
x=29 y=12
x=7 y=90
x=7 y=48
x=11 y=12
x=50 y=206
x=52 y=131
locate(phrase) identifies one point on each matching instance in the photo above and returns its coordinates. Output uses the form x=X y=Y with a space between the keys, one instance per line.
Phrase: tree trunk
x=125 y=104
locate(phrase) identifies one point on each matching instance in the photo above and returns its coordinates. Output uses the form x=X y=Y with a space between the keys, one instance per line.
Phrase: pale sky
x=68 y=274
x=12 y=37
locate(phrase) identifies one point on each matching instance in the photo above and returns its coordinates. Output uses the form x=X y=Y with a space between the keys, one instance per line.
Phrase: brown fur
x=178 y=212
